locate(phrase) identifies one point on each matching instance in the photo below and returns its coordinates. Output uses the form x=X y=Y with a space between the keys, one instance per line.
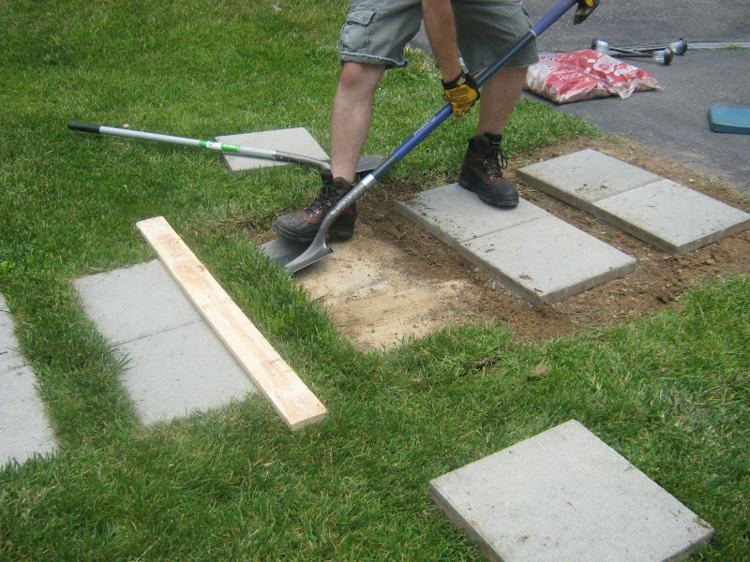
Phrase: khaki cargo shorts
x=376 y=31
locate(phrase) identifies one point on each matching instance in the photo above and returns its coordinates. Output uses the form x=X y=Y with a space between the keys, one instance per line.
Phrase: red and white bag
x=586 y=74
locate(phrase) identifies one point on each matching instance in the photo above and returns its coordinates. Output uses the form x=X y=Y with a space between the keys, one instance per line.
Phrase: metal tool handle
x=239 y=150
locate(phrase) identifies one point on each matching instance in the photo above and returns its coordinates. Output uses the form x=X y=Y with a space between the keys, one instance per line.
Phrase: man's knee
x=359 y=76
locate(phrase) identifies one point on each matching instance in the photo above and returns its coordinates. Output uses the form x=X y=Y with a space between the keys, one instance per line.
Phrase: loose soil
x=395 y=281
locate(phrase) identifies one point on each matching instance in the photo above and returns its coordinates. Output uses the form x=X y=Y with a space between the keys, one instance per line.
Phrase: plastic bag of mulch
x=586 y=74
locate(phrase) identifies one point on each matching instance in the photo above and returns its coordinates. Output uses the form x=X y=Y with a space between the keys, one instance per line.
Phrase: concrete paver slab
x=296 y=140
x=531 y=252
x=650 y=207
x=134 y=302
x=454 y=213
x=176 y=364
x=585 y=176
x=672 y=216
x=566 y=495
x=175 y=373
x=547 y=260
x=24 y=428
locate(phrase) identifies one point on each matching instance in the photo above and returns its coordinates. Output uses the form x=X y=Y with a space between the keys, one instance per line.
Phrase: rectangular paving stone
x=671 y=216
x=531 y=252
x=584 y=177
x=296 y=140
x=656 y=210
x=566 y=495
x=177 y=372
x=134 y=302
x=24 y=427
x=175 y=363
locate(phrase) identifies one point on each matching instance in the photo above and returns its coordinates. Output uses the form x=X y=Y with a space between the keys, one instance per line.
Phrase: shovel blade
x=367 y=164
x=295 y=256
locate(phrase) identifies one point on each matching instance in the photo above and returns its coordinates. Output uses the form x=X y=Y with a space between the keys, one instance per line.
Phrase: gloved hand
x=461 y=93
x=584 y=9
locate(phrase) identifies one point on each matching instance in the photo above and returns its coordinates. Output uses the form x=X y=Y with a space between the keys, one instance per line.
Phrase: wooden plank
x=296 y=404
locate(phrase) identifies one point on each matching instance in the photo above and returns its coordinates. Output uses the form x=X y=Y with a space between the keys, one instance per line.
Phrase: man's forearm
x=440 y=26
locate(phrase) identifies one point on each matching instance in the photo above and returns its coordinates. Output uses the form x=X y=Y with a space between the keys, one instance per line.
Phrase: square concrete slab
x=295 y=140
x=531 y=252
x=671 y=216
x=452 y=212
x=175 y=363
x=585 y=176
x=566 y=495
x=135 y=302
x=175 y=373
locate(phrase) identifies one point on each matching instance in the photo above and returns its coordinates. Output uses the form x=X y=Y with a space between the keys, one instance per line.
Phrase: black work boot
x=301 y=226
x=482 y=172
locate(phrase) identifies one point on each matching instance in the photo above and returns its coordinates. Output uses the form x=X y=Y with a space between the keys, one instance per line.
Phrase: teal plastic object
x=729 y=119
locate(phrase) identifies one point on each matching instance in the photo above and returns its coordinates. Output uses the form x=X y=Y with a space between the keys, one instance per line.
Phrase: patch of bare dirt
x=395 y=280
x=376 y=296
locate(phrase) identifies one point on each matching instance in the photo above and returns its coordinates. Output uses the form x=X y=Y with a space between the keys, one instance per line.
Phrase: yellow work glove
x=461 y=93
x=584 y=9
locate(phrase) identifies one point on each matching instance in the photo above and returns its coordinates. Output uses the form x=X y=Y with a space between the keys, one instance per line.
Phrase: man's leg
x=499 y=96
x=481 y=170
x=351 y=115
x=350 y=123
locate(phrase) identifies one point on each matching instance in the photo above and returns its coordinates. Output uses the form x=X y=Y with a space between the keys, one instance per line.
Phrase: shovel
x=295 y=256
x=366 y=163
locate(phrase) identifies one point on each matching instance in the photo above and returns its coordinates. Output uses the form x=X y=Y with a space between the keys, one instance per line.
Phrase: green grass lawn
x=670 y=393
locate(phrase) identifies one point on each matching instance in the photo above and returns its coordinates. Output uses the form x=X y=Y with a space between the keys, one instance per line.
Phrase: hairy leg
x=351 y=116
x=499 y=96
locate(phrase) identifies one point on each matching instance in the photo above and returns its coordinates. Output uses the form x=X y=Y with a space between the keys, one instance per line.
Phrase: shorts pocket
x=355 y=34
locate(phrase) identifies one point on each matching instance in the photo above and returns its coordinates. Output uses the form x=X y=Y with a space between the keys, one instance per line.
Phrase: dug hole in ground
x=395 y=281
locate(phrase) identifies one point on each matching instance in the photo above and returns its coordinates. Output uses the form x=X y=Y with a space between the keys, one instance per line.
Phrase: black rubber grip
x=80 y=126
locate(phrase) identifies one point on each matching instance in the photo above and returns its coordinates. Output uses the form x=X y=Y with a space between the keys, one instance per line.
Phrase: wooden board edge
x=309 y=408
